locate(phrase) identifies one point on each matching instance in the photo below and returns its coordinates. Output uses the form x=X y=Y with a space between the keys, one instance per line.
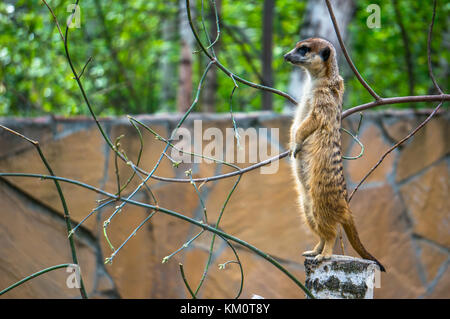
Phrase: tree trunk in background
x=317 y=23
x=184 y=93
x=168 y=68
x=405 y=38
x=442 y=66
x=209 y=92
x=266 y=55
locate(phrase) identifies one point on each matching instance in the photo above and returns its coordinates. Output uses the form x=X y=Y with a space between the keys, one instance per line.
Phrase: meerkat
x=316 y=149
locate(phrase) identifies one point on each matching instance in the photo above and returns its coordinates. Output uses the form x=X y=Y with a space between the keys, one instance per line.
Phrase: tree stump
x=341 y=277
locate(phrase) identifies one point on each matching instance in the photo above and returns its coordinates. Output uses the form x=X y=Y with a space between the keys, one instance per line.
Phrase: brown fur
x=316 y=148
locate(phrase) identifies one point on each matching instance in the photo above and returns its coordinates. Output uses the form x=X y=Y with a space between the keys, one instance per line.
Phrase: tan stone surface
x=374 y=147
x=78 y=156
x=129 y=266
x=137 y=269
x=263 y=211
x=427 y=200
x=170 y=234
x=442 y=288
x=384 y=231
x=399 y=129
x=260 y=276
x=424 y=148
x=432 y=259
x=284 y=126
x=32 y=240
x=104 y=284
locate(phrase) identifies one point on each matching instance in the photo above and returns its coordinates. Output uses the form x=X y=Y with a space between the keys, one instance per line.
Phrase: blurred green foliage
x=379 y=53
x=125 y=40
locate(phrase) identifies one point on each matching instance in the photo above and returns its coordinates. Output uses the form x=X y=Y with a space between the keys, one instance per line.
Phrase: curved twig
x=393 y=148
x=237 y=261
x=36 y=274
x=225 y=70
x=183 y=276
x=211 y=248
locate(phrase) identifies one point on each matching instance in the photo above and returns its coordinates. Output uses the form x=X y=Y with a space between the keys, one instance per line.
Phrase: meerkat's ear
x=325 y=53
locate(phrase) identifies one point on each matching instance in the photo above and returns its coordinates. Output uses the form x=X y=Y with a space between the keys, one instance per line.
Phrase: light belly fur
x=305 y=200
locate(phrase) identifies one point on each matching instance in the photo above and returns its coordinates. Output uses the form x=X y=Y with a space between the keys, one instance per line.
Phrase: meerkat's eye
x=325 y=53
x=303 y=50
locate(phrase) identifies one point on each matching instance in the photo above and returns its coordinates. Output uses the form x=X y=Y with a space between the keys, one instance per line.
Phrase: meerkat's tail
x=352 y=234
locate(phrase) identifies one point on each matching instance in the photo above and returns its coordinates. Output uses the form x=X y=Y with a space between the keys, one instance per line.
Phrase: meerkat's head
x=316 y=55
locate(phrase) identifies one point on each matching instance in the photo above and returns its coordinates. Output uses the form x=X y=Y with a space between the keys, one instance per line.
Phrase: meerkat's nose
x=287 y=57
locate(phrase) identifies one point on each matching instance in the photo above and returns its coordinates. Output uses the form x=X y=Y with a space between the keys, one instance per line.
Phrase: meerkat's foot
x=321 y=257
x=310 y=253
x=316 y=250
x=326 y=252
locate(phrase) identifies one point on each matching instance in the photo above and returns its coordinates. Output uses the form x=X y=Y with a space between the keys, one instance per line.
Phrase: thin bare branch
x=347 y=56
x=397 y=100
x=183 y=276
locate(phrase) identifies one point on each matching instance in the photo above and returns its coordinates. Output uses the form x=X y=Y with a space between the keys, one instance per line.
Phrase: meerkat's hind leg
x=316 y=250
x=326 y=252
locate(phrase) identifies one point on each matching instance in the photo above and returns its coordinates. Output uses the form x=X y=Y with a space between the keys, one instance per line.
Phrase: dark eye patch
x=303 y=50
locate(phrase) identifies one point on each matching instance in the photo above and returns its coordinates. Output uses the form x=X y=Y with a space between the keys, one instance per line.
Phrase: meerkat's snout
x=299 y=55
x=295 y=57
x=287 y=57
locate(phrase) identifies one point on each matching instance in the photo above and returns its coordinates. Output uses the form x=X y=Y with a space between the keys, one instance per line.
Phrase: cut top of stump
x=341 y=277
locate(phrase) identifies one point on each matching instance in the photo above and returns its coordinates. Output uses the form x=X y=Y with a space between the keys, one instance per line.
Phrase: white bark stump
x=341 y=277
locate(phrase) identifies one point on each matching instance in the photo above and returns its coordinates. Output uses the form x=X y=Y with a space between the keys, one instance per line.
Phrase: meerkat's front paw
x=294 y=150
